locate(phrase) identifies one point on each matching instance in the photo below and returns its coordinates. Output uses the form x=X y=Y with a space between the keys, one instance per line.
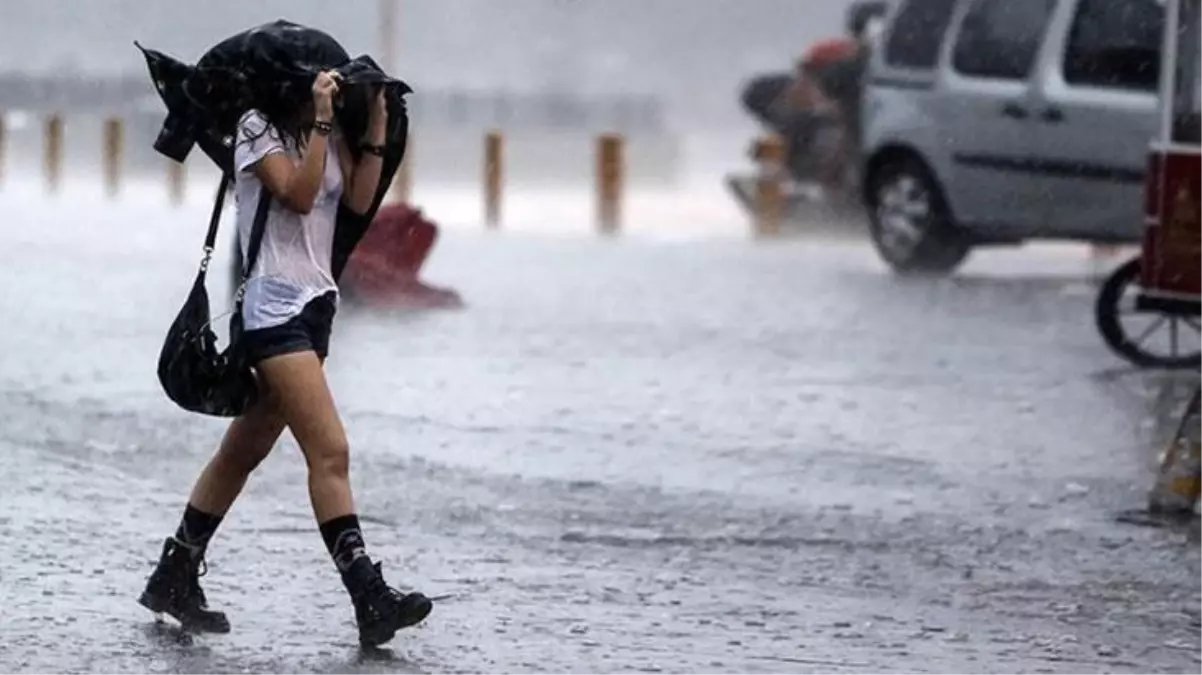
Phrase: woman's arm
x=297 y=185
x=364 y=179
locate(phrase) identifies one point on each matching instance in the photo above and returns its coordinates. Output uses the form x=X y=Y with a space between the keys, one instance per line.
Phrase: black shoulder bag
x=194 y=374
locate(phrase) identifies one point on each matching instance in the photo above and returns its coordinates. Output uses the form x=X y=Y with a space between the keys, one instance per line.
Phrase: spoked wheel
x=1145 y=337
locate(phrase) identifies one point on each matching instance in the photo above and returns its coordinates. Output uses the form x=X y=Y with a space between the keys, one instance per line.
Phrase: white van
x=999 y=121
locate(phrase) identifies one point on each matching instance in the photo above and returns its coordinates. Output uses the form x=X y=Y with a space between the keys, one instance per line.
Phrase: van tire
x=899 y=193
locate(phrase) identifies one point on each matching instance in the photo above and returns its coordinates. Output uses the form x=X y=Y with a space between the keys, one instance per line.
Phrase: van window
x=1187 y=95
x=1000 y=39
x=1115 y=44
x=917 y=32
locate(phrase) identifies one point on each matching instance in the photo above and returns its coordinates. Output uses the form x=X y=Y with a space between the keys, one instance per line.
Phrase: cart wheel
x=1145 y=338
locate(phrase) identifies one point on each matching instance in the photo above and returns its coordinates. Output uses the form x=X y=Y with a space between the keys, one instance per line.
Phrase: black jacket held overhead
x=274 y=63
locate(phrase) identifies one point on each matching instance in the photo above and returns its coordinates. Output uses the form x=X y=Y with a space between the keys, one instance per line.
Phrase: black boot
x=174 y=589
x=380 y=611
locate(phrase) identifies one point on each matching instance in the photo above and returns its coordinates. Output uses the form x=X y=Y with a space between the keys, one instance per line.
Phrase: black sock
x=344 y=540
x=195 y=529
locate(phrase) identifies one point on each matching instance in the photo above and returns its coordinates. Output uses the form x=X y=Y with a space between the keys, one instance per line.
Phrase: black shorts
x=308 y=331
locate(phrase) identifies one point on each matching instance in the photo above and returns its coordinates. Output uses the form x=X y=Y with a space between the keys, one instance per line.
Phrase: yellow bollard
x=176 y=181
x=53 y=160
x=402 y=182
x=113 y=133
x=1179 y=480
x=610 y=167
x=3 y=145
x=494 y=145
x=769 y=196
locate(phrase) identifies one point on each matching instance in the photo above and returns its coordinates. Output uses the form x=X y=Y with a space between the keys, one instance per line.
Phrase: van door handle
x=1015 y=111
x=1052 y=116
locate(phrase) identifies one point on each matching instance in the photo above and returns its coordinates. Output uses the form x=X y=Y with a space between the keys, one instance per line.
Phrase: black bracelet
x=377 y=150
x=323 y=128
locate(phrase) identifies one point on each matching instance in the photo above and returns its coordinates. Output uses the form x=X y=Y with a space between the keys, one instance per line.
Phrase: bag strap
x=256 y=240
x=214 y=221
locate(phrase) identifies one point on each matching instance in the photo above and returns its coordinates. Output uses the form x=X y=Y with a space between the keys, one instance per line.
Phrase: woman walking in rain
x=301 y=158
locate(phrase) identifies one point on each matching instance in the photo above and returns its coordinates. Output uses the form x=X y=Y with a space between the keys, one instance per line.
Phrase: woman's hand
x=296 y=185
x=325 y=88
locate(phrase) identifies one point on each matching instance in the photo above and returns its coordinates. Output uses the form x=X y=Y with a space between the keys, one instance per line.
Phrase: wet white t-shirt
x=295 y=257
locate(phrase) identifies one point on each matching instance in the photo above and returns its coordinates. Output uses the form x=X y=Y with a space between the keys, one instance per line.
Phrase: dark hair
x=286 y=116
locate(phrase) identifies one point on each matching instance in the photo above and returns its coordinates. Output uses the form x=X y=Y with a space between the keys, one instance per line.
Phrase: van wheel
x=911 y=225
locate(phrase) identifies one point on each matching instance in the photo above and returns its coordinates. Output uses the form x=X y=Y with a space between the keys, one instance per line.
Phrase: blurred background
x=553 y=74
x=692 y=56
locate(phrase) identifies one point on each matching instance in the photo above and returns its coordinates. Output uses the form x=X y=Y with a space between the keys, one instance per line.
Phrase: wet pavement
x=700 y=455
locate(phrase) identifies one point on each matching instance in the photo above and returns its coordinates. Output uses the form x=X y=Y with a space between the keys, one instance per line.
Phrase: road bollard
x=1179 y=481
x=609 y=182
x=769 y=195
x=402 y=182
x=53 y=153
x=494 y=168
x=176 y=181
x=113 y=138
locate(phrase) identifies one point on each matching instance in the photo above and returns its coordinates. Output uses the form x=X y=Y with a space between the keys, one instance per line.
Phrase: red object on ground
x=830 y=50
x=383 y=270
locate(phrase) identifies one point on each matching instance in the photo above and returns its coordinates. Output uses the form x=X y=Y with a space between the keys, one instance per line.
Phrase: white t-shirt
x=294 y=260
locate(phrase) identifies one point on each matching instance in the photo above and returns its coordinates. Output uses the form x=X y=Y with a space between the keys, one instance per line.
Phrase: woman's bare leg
x=247 y=442
x=173 y=587
x=304 y=401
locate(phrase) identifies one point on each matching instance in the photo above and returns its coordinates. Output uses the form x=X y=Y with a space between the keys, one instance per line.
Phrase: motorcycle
x=811 y=151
